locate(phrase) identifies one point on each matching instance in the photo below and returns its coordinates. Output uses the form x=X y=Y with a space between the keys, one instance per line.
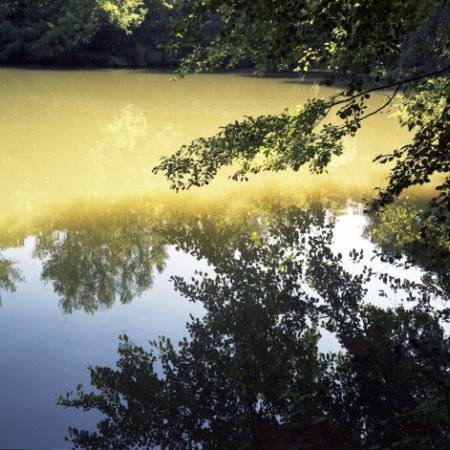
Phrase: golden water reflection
x=94 y=136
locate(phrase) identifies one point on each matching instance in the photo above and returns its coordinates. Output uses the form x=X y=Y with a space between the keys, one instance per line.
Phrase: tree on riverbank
x=115 y=32
x=400 y=47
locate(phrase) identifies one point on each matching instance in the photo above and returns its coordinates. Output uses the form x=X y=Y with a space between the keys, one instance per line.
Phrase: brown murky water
x=71 y=135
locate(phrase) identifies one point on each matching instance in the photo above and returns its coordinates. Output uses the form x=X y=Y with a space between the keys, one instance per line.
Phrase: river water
x=89 y=237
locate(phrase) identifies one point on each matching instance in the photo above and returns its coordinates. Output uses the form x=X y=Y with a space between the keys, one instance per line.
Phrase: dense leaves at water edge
x=400 y=47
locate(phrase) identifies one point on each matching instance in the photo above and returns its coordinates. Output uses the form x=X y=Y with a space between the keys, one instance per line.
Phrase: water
x=91 y=236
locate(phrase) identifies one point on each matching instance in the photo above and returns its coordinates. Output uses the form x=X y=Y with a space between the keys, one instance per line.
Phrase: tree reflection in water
x=9 y=275
x=407 y=235
x=250 y=374
x=97 y=260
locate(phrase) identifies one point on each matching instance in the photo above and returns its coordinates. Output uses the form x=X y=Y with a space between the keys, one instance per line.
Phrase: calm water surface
x=89 y=237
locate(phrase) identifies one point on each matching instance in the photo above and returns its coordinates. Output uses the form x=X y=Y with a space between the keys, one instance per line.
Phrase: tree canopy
x=400 y=47
x=114 y=32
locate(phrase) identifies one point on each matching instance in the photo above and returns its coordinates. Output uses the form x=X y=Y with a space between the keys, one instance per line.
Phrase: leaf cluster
x=400 y=47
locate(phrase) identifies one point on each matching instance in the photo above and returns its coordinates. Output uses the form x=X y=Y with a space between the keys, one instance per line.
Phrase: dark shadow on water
x=250 y=374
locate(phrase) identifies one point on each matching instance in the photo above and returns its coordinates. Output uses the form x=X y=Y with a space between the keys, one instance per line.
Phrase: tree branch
x=387 y=86
x=382 y=107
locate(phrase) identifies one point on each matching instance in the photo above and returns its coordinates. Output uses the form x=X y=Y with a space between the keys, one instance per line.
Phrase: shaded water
x=89 y=237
